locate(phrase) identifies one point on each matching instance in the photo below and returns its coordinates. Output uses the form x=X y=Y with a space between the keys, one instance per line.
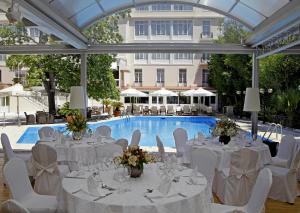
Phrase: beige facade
x=150 y=24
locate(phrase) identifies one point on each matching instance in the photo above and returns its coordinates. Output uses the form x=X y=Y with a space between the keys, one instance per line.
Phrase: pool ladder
x=273 y=128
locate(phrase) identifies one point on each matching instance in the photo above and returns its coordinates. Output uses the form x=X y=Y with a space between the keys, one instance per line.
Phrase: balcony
x=182 y=84
x=138 y=84
x=160 y=84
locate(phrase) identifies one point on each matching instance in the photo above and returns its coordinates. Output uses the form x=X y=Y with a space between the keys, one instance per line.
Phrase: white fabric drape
x=135 y=138
x=285 y=153
x=13 y=206
x=104 y=131
x=181 y=138
x=161 y=149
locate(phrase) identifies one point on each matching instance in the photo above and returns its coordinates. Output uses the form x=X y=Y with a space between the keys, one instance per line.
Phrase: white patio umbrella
x=133 y=93
x=16 y=90
x=163 y=93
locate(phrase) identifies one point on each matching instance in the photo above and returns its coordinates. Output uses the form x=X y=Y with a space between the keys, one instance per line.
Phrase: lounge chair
x=30 y=119
x=136 y=110
x=128 y=110
x=170 y=110
x=154 y=110
x=146 y=110
x=163 y=110
x=186 y=110
x=194 y=110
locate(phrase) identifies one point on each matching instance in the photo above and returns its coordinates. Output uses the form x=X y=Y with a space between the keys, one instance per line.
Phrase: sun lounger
x=154 y=110
x=186 y=110
x=162 y=110
x=170 y=110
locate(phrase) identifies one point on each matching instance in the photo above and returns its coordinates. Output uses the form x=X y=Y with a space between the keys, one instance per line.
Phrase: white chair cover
x=180 y=137
x=161 y=149
x=136 y=137
x=257 y=199
x=16 y=177
x=47 y=175
x=13 y=206
x=285 y=152
x=206 y=162
x=285 y=186
x=46 y=132
x=108 y=151
x=103 y=131
x=123 y=143
x=9 y=153
x=234 y=188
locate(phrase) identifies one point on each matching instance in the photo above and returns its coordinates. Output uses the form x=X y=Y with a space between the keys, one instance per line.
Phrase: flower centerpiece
x=77 y=124
x=225 y=128
x=134 y=158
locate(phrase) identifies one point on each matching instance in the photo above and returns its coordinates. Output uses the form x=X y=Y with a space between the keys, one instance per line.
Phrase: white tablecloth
x=224 y=152
x=133 y=201
x=83 y=151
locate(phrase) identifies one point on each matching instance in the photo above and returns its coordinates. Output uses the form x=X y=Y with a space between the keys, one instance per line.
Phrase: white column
x=254 y=115
x=83 y=78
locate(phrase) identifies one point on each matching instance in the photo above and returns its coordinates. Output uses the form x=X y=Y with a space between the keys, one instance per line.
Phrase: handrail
x=271 y=130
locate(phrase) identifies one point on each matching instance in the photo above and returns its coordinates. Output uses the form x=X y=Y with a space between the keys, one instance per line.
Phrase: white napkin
x=195 y=178
x=165 y=184
x=92 y=186
x=80 y=174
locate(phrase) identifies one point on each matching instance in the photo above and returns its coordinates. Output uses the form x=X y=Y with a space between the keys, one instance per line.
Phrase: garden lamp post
x=238 y=92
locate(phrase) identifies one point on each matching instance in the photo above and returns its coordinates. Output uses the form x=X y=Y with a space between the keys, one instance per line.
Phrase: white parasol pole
x=18 y=111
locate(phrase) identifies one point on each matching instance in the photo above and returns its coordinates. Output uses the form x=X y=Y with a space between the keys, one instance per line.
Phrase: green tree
x=63 y=71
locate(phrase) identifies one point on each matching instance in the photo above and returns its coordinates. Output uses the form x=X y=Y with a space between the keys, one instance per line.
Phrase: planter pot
x=224 y=139
x=77 y=135
x=135 y=172
x=117 y=113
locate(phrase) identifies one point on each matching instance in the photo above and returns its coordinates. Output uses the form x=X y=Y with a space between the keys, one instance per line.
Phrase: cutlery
x=182 y=195
x=104 y=186
x=149 y=190
x=76 y=191
x=75 y=177
x=148 y=198
x=100 y=197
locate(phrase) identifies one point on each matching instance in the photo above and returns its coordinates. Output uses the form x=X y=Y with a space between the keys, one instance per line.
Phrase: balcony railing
x=182 y=84
x=160 y=84
x=207 y=35
x=138 y=84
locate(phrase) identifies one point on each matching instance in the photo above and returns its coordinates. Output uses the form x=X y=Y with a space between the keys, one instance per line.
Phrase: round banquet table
x=224 y=151
x=85 y=151
x=195 y=198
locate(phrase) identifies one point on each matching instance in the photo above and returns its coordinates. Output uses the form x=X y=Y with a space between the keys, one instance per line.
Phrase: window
x=160 y=76
x=138 y=76
x=195 y=100
x=160 y=56
x=183 y=56
x=172 y=100
x=142 y=8
x=141 y=56
x=161 y=7
x=2 y=57
x=205 y=74
x=0 y=75
x=206 y=28
x=116 y=76
x=183 y=7
x=160 y=27
x=182 y=75
x=34 y=32
x=182 y=27
x=205 y=56
x=141 y=28
x=155 y=98
x=184 y=100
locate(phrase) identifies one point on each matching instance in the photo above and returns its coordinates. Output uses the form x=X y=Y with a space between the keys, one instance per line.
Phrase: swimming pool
x=148 y=125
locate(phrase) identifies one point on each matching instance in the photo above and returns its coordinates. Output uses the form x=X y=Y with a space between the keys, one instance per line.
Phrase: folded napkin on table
x=78 y=174
x=196 y=178
x=92 y=186
x=165 y=184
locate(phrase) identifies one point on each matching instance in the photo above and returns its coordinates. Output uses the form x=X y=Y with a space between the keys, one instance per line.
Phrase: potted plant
x=225 y=129
x=77 y=124
x=107 y=107
x=134 y=158
x=117 y=108
x=67 y=112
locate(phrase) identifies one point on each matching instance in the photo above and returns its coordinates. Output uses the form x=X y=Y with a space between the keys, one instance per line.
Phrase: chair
x=154 y=110
x=205 y=161
x=234 y=185
x=146 y=110
x=16 y=177
x=285 y=152
x=9 y=153
x=104 y=131
x=46 y=133
x=110 y=150
x=136 y=137
x=186 y=110
x=123 y=143
x=30 y=119
x=257 y=199
x=129 y=110
x=284 y=186
x=48 y=174
x=161 y=149
x=180 y=137
x=136 y=110
x=163 y=110
x=13 y=206
x=194 y=110
x=170 y=110
x=41 y=117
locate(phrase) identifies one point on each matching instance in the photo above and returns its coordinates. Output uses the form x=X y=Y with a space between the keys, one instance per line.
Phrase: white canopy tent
x=163 y=93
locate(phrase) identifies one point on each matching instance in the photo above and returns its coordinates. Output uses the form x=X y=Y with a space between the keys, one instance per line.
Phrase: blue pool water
x=149 y=127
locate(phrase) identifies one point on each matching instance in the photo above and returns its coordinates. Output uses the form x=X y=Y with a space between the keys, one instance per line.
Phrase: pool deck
x=15 y=132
